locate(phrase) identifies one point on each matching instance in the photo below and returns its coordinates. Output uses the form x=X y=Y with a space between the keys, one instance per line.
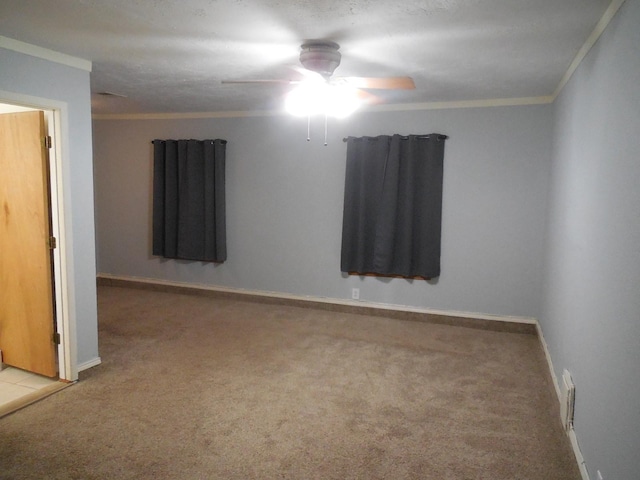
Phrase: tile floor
x=15 y=383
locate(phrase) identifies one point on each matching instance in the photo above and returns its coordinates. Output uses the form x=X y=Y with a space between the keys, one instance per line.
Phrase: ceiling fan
x=319 y=59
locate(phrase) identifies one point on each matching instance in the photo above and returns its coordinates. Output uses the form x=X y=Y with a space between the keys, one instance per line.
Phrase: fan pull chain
x=325 y=129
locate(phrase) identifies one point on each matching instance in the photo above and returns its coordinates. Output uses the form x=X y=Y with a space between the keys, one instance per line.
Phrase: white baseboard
x=547 y=355
x=325 y=300
x=571 y=433
x=576 y=451
x=94 y=362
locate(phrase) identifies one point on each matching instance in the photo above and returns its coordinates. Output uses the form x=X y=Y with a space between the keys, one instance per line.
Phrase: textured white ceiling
x=171 y=56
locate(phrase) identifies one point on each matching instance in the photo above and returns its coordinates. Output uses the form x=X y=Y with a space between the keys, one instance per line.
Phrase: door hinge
x=56 y=338
x=46 y=141
x=53 y=243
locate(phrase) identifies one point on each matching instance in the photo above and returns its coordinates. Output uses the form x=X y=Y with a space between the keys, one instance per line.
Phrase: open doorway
x=60 y=318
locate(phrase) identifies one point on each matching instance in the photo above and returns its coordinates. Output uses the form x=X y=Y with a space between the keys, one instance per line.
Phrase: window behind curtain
x=393 y=205
x=189 y=199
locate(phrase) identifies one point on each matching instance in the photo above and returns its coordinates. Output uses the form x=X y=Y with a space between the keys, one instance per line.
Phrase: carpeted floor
x=200 y=388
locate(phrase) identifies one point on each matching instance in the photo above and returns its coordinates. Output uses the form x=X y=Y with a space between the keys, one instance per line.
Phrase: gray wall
x=285 y=196
x=591 y=315
x=22 y=75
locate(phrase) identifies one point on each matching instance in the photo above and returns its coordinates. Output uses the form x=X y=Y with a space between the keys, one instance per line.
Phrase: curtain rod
x=207 y=140
x=440 y=137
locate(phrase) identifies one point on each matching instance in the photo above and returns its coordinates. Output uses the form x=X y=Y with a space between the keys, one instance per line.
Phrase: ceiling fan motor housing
x=320 y=56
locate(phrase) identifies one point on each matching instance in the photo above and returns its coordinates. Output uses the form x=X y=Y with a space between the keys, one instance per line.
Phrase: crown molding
x=186 y=115
x=400 y=107
x=45 y=54
x=492 y=102
x=599 y=29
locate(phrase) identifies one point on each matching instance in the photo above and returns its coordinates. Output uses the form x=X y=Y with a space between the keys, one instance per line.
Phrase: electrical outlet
x=355 y=293
x=599 y=476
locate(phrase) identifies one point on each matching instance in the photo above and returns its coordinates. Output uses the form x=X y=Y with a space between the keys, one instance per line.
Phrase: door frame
x=56 y=115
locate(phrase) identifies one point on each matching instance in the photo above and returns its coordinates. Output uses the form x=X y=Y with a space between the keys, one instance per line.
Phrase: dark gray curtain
x=393 y=205
x=189 y=199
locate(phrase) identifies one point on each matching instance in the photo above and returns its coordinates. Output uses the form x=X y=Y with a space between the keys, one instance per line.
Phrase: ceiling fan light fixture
x=321 y=98
x=343 y=101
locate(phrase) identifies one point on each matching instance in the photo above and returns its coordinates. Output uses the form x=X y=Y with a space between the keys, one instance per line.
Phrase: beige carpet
x=201 y=388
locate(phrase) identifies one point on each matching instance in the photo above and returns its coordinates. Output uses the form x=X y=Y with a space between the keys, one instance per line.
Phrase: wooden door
x=26 y=285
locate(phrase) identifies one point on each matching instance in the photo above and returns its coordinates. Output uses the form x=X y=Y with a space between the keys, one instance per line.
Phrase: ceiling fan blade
x=303 y=72
x=367 y=97
x=386 y=83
